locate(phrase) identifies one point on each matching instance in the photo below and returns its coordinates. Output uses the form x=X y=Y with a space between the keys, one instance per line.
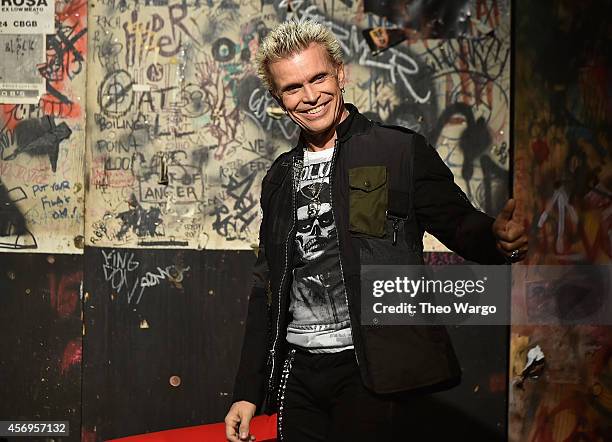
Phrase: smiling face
x=308 y=87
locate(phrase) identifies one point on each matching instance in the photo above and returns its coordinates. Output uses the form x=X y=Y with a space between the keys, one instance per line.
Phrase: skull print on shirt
x=320 y=320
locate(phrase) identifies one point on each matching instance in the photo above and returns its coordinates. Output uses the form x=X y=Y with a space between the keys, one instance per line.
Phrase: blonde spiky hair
x=290 y=38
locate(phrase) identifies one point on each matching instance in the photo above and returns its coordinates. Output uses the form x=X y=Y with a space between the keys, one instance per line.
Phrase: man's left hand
x=510 y=234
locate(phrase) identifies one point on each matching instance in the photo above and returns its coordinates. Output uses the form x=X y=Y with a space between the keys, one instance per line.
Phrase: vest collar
x=354 y=124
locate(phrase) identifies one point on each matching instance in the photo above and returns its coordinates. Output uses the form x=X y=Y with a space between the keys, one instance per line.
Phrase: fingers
x=233 y=433
x=237 y=422
x=508 y=210
x=511 y=236
x=231 y=425
x=244 y=427
x=509 y=247
x=504 y=227
x=512 y=232
x=520 y=246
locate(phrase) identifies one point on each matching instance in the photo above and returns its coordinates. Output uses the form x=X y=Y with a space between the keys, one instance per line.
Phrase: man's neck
x=324 y=141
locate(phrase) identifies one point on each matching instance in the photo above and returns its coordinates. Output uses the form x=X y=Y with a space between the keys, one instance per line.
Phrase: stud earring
x=342 y=90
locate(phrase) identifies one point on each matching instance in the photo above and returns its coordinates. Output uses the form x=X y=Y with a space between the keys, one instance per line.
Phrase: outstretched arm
x=445 y=211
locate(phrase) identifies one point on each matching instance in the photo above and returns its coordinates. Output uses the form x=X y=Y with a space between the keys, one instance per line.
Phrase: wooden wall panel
x=189 y=327
x=40 y=339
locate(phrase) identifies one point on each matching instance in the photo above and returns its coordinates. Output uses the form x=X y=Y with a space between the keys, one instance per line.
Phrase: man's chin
x=316 y=130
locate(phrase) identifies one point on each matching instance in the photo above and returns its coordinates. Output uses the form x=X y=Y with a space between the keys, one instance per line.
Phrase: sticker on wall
x=20 y=79
x=23 y=26
x=27 y=17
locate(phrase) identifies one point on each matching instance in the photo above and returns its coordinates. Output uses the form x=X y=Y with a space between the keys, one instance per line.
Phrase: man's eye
x=320 y=78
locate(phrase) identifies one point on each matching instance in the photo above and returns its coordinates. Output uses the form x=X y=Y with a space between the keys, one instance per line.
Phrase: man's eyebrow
x=290 y=86
x=296 y=85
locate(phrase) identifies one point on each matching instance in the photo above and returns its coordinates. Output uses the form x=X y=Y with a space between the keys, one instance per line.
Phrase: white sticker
x=20 y=79
x=27 y=16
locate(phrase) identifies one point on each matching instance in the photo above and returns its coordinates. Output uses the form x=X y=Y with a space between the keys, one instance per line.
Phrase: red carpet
x=262 y=427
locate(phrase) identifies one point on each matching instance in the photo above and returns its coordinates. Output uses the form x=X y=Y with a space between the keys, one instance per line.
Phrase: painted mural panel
x=42 y=145
x=181 y=131
x=563 y=170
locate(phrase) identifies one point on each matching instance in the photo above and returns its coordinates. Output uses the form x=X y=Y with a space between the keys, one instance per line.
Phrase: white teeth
x=315 y=110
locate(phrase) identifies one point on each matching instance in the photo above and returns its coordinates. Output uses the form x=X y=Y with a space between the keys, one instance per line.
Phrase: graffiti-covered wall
x=563 y=171
x=180 y=130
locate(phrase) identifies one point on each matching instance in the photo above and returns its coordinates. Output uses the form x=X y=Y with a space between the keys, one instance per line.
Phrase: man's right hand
x=237 y=422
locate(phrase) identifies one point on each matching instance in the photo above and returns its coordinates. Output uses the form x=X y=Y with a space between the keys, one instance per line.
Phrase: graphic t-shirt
x=320 y=322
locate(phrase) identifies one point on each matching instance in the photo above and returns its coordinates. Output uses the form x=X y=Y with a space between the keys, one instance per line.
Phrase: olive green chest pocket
x=368 y=198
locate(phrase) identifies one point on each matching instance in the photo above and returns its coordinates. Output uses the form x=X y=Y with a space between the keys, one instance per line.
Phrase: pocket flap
x=367 y=178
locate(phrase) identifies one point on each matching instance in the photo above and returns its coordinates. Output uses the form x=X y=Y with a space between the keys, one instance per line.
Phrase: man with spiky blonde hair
x=291 y=38
x=352 y=192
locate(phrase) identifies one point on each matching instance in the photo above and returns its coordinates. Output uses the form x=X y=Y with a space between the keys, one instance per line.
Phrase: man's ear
x=341 y=75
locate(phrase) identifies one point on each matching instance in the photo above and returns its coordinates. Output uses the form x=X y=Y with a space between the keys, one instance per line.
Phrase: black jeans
x=323 y=399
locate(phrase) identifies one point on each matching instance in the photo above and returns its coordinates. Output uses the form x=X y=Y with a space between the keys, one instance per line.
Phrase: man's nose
x=311 y=95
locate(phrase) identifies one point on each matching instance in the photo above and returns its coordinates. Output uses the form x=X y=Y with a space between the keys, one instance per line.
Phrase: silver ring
x=514 y=254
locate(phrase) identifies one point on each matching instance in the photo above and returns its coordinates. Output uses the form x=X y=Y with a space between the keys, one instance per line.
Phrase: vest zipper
x=331 y=199
x=297 y=168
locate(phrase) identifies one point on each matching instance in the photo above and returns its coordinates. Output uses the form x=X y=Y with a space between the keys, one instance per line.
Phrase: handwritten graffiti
x=234 y=224
x=480 y=63
x=21 y=46
x=63 y=57
x=171 y=273
x=184 y=186
x=117 y=265
x=108 y=52
x=481 y=57
x=116 y=95
x=144 y=38
x=66 y=51
x=121 y=270
x=56 y=199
